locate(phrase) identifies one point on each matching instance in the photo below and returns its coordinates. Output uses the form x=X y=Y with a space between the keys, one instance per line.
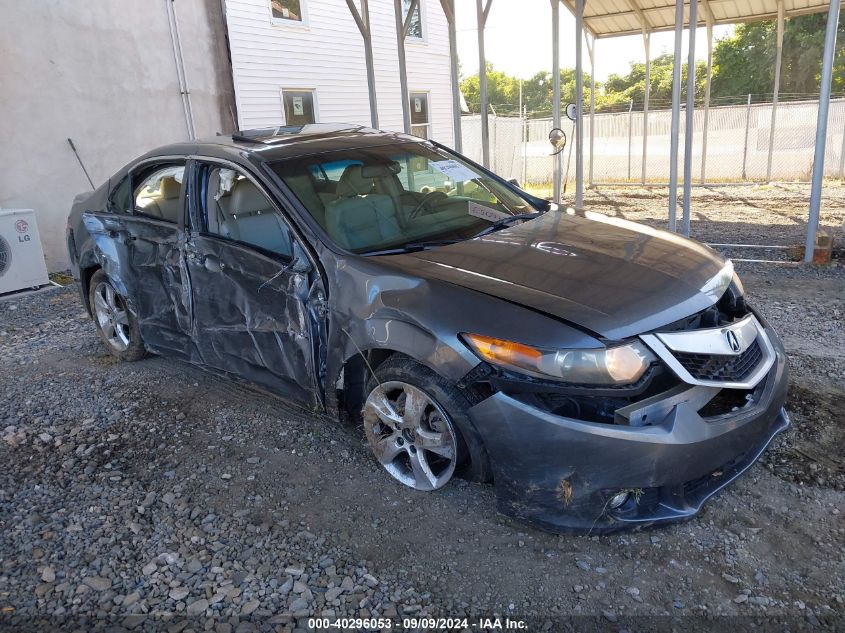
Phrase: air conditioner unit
x=21 y=257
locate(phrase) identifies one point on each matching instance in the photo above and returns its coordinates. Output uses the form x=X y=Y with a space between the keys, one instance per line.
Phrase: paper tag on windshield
x=454 y=170
x=486 y=213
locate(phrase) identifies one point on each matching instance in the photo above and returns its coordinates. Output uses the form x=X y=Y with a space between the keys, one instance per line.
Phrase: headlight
x=620 y=365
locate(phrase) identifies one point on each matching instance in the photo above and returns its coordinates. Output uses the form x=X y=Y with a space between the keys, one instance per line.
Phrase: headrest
x=353 y=183
x=247 y=198
x=381 y=170
x=169 y=189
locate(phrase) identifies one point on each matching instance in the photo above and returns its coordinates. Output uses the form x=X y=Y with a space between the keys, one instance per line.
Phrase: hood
x=611 y=277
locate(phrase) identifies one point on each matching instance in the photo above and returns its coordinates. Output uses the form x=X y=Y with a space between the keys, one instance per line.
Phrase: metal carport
x=600 y=19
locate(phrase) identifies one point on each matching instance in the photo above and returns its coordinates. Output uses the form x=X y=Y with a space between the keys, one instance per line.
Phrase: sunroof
x=267 y=135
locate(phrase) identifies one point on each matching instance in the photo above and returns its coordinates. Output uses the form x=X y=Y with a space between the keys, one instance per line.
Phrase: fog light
x=618 y=500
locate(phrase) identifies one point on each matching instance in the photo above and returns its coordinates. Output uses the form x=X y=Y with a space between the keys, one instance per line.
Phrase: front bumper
x=559 y=473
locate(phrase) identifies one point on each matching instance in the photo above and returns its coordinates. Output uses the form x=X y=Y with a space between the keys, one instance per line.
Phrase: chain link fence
x=739 y=140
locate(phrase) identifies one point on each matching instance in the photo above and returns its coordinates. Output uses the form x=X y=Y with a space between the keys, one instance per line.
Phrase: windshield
x=380 y=199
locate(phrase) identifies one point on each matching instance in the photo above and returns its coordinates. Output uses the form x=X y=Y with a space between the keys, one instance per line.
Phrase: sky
x=519 y=40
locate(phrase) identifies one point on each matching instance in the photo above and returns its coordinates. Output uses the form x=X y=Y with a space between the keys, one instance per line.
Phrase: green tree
x=745 y=62
x=503 y=91
x=620 y=89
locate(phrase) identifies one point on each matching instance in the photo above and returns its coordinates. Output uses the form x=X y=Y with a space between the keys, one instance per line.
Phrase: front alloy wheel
x=411 y=435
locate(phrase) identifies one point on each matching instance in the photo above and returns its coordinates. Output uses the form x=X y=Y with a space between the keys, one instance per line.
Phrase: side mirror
x=558 y=140
x=515 y=182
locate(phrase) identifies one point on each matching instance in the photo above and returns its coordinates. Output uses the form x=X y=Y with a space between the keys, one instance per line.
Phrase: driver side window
x=235 y=208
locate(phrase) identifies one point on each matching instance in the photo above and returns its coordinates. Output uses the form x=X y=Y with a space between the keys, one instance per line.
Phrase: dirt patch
x=812 y=452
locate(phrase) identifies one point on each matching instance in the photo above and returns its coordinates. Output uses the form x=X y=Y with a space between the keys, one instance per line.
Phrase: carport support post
x=363 y=22
x=556 y=92
x=707 y=95
x=778 y=59
x=689 y=118
x=482 y=13
x=821 y=129
x=591 y=51
x=449 y=12
x=402 y=25
x=647 y=45
x=676 y=116
x=630 y=133
x=579 y=104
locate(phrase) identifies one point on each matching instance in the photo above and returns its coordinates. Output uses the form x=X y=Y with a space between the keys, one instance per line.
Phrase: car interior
x=237 y=209
x=158 y=196
x=363 y=206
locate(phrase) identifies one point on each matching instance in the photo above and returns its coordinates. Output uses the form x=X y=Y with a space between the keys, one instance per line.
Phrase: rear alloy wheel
x=112 y=316
x=116 y=324
x=411 y=435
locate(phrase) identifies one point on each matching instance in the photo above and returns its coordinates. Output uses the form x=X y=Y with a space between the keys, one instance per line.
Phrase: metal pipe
x=401 y=32
x=362 y=20
x=821 y=129
x=647 y=44
x=689 y=117
x=449 y=11
x=178 y=59
x=556 y=92
x=706 y=124
x=579 y=104
x=591 y=50
x=778 y=60
x=745 y=144
x=524 y=145
x=630 y=133
x=481 y=13
x=676 y=116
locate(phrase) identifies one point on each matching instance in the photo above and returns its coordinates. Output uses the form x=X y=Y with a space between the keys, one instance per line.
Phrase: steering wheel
x=427 y=198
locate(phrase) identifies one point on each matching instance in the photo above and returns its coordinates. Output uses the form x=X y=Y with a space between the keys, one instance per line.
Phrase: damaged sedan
x=601 y=373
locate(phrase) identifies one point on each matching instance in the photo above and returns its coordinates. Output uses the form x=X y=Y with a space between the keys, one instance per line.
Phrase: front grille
x=722 y=368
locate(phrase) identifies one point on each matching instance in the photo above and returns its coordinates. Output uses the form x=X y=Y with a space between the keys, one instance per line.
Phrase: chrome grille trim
x=713 y=342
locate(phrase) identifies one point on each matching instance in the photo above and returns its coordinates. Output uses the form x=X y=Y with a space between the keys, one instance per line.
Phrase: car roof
x=278 y=143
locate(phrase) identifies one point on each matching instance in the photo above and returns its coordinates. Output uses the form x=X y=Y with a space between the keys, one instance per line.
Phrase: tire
x=471 y=461
x=116 y=326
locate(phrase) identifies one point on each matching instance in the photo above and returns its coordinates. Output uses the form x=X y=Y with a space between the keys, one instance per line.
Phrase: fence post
x=842 y=155
x=524 y=145
x=745 y=146
x=630 y=133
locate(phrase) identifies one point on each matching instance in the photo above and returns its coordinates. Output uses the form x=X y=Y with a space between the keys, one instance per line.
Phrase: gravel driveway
x=134 y=495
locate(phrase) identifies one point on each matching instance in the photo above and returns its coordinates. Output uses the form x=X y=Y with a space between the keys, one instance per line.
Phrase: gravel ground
x=770 y=214
x=154 y=495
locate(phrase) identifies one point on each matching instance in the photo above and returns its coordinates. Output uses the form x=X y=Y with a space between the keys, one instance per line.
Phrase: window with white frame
x=287 y=10
x=420 y=123
x=299 y=107
x=415 y=28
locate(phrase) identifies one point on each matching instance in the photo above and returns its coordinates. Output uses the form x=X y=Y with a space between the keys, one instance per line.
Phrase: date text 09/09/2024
x=381 y=624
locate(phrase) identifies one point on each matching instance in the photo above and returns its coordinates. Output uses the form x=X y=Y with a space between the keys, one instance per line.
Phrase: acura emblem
x=733 y=341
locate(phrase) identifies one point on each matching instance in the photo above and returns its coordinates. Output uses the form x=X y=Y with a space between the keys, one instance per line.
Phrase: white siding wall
x=327 y=55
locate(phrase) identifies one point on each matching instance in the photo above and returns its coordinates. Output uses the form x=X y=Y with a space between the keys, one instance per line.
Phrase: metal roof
x=612 y=18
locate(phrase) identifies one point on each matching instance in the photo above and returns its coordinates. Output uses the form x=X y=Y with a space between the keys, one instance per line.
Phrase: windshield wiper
x=410 y=247
x=498 y=224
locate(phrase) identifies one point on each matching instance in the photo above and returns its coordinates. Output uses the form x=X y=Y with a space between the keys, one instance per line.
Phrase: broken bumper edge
x=560 y=473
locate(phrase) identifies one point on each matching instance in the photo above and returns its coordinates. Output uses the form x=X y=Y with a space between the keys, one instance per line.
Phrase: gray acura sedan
x=601 y=373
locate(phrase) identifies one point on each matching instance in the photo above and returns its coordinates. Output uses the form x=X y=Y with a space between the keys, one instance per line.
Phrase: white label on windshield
x=486 y=213
x=454 y=170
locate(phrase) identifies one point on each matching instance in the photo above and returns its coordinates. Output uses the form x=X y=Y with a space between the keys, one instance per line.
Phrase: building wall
x=103 y=74
x=326 y=54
